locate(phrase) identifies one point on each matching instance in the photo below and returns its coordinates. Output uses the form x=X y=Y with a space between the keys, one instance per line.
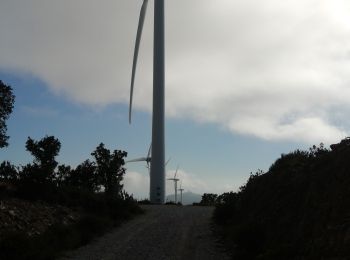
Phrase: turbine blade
x=167 y=161
x=136 y=52
x=176 y=171
x=149 y=151
x=137 y=160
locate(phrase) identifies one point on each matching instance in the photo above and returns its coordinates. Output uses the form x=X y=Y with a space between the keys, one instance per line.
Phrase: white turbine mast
x=157 y=172
x=175 y=180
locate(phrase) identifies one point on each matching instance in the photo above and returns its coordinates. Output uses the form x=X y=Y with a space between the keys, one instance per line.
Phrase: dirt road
x=163 y=232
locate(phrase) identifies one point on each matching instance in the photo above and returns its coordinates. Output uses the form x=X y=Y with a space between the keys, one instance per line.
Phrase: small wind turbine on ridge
x=181 y=190
x=175 y=183
x=146 y=159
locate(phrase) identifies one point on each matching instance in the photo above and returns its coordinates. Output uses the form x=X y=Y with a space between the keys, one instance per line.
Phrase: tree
x=8 y=171
x=44 y=152
x=63 y=173
x=208 y=199
x=84 y=177
x=7 y=100
x=109 y=169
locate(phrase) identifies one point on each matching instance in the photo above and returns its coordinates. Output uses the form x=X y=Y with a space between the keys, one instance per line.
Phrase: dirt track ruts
x=163 y=232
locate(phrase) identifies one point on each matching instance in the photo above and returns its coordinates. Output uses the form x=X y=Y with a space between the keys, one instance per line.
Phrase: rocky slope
x=32 y=217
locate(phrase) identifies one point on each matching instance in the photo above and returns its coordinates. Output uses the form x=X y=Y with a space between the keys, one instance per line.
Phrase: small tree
x=7 y=99
x=208 y=199
x=44 y=152
x=84 y=177
x=8 y=171
x=62 y=174
x=109 y=169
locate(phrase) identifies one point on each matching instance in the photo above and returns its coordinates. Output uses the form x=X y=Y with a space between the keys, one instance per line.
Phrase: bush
x=93 y=188
x=8 y=172
x=144 y=202
x=282 y=214
x=208 y=199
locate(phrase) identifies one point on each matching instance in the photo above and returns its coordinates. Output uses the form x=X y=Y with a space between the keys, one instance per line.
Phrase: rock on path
x=163 y=232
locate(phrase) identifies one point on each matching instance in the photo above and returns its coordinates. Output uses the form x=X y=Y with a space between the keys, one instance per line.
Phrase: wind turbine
x=157 y=172
x=181 y=190
x=175 y=183
x=147 y=159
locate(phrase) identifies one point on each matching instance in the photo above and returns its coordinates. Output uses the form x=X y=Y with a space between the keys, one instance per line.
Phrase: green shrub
x=297 y=210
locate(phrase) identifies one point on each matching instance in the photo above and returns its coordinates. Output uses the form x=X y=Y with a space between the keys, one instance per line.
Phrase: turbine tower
x=175 y=183
x=157 y=173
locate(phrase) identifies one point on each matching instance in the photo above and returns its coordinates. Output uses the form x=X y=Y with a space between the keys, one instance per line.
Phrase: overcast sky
x=271 y=72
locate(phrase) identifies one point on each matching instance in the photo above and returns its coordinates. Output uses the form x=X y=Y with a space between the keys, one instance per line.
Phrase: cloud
x=138 y=183
x=275 y=70
x=304 y=128
x=188 y=181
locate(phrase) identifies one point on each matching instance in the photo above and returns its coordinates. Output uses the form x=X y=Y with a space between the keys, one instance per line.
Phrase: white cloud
x=306 y=129
x=272 y=69
x=189 y=181
x=138 y=183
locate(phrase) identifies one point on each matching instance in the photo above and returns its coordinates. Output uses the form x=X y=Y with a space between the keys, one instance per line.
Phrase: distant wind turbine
x=175 y=183
x=181 y=190
x=146 y=159
x=157 y=173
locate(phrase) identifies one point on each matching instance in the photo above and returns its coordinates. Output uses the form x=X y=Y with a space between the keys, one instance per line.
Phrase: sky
x=246 y=81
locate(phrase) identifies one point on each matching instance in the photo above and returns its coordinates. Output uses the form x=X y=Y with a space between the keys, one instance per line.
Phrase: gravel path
x=163 y=232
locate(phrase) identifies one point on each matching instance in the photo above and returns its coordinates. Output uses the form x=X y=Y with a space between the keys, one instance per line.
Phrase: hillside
x=298 y=209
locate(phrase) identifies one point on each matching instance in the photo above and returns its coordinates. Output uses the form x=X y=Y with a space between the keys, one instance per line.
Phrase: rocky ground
x=163 y=232
x=32 y=218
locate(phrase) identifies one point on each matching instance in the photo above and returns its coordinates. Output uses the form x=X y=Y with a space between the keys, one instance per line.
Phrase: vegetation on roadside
x=208 y=199
x=144 y=202
x=92 y=190
x=7 y=100
x=299 y=209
